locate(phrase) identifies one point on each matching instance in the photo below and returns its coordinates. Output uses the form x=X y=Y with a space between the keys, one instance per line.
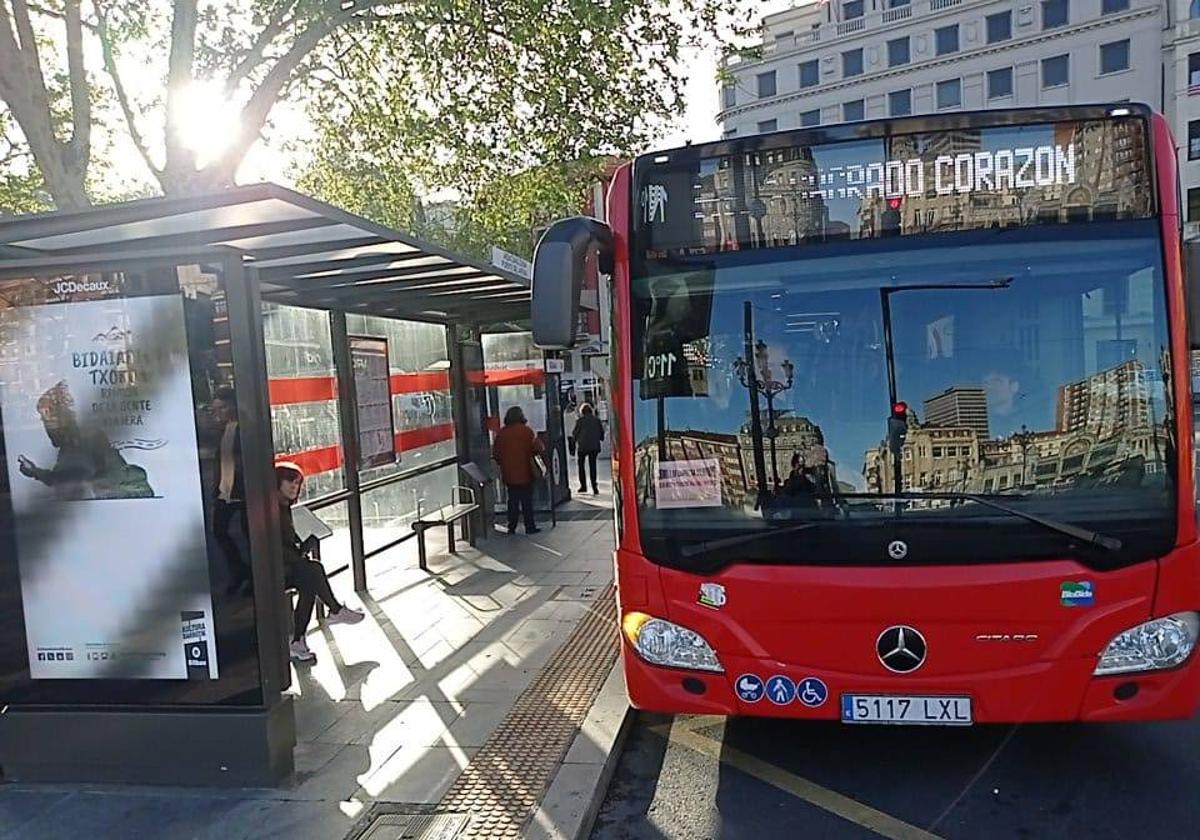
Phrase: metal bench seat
x=457 y=510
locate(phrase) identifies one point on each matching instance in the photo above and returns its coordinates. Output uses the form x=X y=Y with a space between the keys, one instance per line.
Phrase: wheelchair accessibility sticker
x=812 y=692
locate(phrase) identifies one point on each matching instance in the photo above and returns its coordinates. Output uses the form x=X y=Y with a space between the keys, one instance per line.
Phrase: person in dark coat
x=588 y=434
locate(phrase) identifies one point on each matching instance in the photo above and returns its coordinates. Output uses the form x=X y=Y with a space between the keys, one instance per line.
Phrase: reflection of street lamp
x=765 y=384
x=1022 y=439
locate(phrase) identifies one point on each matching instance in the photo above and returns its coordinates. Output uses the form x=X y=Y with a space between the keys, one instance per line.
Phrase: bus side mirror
x=559 y=263
x=1191 y=286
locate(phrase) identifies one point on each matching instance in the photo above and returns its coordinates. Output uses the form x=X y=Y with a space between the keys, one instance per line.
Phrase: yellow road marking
x=683 y=733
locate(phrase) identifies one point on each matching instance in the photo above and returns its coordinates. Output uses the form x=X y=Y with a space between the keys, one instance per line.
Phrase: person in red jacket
x=514 y=449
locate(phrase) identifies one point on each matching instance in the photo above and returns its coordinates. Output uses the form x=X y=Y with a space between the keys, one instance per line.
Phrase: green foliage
x=487 y=99
x=512 y=104
x=22 y=192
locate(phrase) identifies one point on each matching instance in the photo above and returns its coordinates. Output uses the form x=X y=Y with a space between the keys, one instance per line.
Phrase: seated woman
x=300 y=572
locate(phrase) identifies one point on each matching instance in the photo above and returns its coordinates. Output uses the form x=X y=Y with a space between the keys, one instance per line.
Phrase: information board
x=373 y=401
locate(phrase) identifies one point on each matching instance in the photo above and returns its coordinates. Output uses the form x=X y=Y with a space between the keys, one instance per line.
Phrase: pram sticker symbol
x=749 y=688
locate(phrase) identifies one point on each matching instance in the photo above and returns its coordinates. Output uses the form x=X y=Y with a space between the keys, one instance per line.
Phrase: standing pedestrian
x=514 y=450
x=588 y=434
x=229 y=506
x=570 y=418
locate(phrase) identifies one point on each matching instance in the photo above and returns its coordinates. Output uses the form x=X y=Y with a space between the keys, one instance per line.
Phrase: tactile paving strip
x=503 y=784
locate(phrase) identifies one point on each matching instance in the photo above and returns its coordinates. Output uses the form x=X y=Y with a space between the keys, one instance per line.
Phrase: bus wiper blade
x=1090 y=537
x=738 y=539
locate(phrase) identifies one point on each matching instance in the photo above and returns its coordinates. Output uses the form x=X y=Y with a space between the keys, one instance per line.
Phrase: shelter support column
x=347 y=411
x=469 y=395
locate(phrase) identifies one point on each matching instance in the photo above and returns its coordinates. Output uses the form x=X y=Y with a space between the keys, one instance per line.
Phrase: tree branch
x=254 y=56
x=23 y=89
x=81 y=96
x=254 y=114
x=110 y=67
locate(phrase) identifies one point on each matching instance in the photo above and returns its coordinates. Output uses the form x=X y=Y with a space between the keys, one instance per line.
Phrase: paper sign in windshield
x=688 y=484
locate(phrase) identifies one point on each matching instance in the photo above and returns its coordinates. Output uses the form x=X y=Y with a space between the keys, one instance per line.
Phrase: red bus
x=903 y=427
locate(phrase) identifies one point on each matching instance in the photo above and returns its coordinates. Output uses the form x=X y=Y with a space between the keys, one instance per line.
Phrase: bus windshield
x=1032 y=363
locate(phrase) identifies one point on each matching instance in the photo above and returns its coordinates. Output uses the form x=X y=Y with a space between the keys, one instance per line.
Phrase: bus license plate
x=894 y=708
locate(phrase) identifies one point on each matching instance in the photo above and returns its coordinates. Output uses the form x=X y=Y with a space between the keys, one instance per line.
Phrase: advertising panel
x=100 y=441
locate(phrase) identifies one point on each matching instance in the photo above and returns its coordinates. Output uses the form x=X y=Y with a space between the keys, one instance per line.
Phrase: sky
x=699 y=123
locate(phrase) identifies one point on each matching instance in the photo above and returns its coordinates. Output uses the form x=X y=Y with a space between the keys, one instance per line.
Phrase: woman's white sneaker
x=345 y=615
x=300 y=652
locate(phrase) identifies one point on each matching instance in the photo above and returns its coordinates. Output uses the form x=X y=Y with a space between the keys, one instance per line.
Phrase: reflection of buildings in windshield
x=1109 y=183
x=800 y=444
x=1104 y=435
x=771 y=197
x=693 y=445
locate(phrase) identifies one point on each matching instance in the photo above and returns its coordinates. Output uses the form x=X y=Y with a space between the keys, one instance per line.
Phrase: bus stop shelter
x=354 y=350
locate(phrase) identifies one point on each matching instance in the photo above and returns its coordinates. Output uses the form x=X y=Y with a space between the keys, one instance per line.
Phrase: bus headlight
x=1157 y=644
x=661 y=642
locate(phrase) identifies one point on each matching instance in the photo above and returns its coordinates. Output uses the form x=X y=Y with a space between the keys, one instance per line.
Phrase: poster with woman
x=100 y=444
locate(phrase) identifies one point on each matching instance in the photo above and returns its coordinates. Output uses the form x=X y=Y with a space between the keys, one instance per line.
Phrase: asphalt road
x=754 y=779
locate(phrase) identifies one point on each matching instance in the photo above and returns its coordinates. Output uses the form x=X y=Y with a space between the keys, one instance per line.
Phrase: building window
x=898 y=51
x=808 y=119
x=767 y=126
x=766 y=84
x=1056 y=71
x=853 y=111
x=1194 y=204
x=999 y=27
x=730 y=132
x=1194 y=140
x=949 y=93
x=946 y=39
x=852 y=9
x=852 y=62
x=896 y=4
x=1114 y=57
x=1194 y=70
x=729 y=96
x=1111 y=7
x=900 y=103
x=809 y=74
x=1194 y=9
x=1000 y=83
x=937 y=452
x=1055 y=13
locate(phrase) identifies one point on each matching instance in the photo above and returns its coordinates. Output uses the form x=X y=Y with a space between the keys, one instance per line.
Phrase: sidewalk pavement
x=396 y=707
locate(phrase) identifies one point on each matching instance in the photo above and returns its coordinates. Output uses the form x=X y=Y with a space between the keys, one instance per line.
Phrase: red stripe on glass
x=507 y=376
x=302 y=389
x=433 y=380
x=313 y=461
x=410 y=439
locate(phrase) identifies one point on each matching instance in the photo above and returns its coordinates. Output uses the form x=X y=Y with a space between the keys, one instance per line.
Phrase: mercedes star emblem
x=897 y=549
x=901 y=649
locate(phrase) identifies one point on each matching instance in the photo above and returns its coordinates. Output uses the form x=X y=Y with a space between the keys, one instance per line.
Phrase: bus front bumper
x=1060 y=690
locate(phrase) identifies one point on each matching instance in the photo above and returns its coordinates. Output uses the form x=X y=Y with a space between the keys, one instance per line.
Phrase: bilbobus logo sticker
x=712 y=595
x=1074 y=593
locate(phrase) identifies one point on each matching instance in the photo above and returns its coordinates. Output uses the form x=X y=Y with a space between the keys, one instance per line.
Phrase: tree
x=499 y=85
